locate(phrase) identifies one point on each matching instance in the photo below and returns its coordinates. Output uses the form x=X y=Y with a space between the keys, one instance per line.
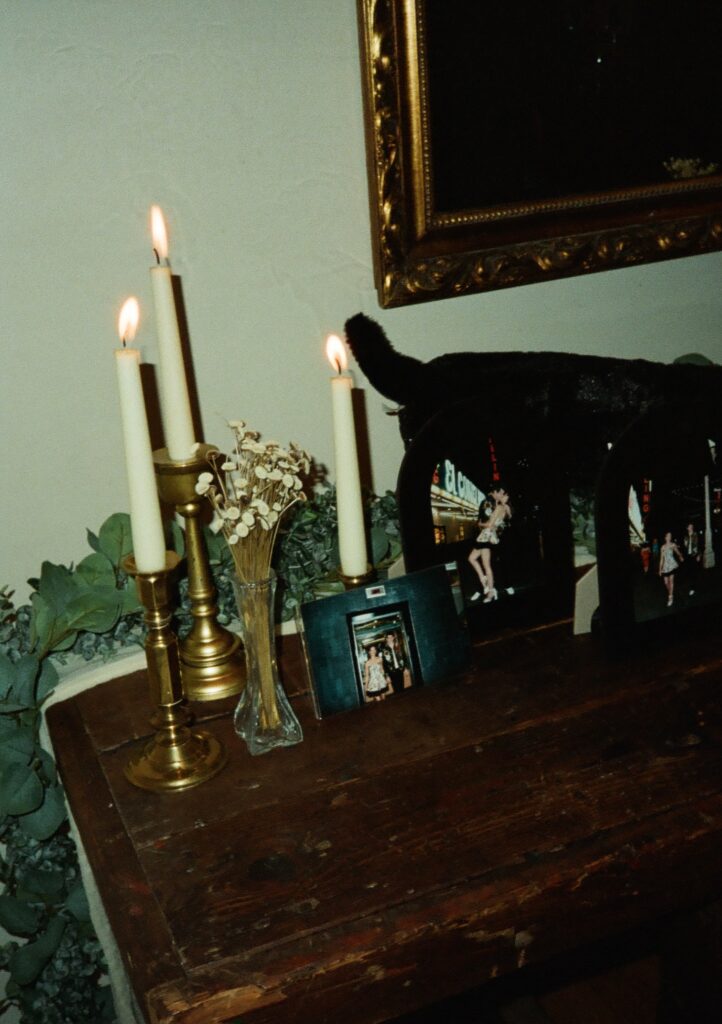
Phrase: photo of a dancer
x=484 y=502
x=494 y=515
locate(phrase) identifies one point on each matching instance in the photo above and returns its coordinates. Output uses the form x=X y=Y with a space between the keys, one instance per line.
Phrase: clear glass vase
x=263 y=717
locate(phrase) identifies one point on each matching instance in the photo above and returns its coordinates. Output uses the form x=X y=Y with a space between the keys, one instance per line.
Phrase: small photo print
x=674 y=541
x=383 y=654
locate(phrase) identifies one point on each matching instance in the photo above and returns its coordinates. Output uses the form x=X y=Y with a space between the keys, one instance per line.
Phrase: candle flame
x=128 y=319
x=159 y=233
x=336 y=353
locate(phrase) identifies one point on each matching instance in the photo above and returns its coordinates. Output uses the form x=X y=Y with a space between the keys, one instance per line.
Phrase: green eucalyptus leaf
x=17 y=743
x=21 y=791
x=7 y=675
x=93 y=541
x=64 y=640
x=27 y=962
x=42 y=623
x=49 y=627
x=11 y=707
x=379 y=544
x=26 y=674
x=96 y=570
x=18 y=917
x=47 y=680
x=44 y=822
x=115 y=539
x=56 y=585
x=129 y=602
x=77 y=903
x=38 y=885
x=177 y=538
x=216 y=545
x=47 y=765
x=97 y=610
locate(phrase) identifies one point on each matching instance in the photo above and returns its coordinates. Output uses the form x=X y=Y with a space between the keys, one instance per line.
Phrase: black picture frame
x=535 y=578
x=418 y=607
x=595 y=122
x=652 y=484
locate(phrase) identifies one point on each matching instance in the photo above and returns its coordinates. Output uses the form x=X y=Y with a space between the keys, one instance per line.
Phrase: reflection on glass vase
x=264 y=717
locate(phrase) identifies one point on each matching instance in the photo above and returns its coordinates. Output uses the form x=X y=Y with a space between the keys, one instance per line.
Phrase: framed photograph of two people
x=375 y=642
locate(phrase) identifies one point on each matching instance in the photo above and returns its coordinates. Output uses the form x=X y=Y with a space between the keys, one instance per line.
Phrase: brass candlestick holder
x=178 y=756
x=351 y=582
x=212 y=660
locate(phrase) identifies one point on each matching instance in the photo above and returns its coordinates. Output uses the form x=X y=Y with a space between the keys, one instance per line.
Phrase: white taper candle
x=145 y=520
x=351 y=533
x=173 y=384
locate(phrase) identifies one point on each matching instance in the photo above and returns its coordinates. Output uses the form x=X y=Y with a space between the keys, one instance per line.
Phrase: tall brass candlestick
x=212 y=661
x=178 y=756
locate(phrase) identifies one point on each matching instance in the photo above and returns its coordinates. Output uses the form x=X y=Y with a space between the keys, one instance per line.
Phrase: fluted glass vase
x=264 y=717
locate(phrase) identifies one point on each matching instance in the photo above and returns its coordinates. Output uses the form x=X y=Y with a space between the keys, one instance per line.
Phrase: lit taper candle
x=174 y=400
x=351 y=534
x=145 y=521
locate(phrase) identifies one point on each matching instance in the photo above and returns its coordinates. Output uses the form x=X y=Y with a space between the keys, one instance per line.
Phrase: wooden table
x=414 y=848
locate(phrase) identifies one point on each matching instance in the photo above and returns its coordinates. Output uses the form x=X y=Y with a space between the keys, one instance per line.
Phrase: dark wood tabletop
x=413 y=848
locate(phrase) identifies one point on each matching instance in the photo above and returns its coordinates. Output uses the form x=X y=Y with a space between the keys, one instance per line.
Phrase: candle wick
x=157 y=256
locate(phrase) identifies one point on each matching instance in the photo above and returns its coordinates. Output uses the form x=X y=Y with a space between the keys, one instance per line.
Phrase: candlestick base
x=351 y=582
x=177 y=756
x=212 y=661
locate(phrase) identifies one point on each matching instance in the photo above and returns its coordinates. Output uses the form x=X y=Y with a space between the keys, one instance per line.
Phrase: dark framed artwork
x=658 y=525
x=378 y=641
x=482 y=491
x=519 y=142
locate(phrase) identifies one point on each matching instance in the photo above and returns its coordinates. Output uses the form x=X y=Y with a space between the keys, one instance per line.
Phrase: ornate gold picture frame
x=431 y=244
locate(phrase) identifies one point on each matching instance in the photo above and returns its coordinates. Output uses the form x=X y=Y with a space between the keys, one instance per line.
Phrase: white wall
x=242 y=118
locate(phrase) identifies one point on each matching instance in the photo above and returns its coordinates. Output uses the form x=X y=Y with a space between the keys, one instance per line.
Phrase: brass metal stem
x=178 y=756
x=211 y=657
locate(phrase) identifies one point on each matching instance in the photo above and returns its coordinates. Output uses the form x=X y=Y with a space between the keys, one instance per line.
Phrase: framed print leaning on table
x=381 y=640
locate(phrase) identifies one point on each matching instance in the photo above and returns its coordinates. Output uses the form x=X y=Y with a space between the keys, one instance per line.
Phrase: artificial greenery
x=54 y=960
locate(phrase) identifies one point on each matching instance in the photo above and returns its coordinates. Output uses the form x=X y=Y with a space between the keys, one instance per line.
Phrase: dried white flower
x=255 y=484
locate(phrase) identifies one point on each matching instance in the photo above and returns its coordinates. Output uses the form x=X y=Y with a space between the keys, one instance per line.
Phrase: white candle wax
x=145 y=521
x=173 y=385
x=349 y=507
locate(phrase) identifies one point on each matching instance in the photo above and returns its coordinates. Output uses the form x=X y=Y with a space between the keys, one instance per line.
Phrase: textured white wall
x=242 y=118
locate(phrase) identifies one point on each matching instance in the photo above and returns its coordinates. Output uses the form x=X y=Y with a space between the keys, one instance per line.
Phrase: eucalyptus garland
x=54 y=962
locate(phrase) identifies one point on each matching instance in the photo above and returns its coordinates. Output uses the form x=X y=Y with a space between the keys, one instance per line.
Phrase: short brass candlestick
x=178 y=756
x=212 y=661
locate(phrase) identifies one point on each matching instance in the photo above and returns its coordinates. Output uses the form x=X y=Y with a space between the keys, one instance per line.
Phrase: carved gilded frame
x=422 y=254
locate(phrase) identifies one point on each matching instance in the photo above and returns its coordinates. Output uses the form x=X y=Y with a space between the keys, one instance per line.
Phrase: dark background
x=531 y=101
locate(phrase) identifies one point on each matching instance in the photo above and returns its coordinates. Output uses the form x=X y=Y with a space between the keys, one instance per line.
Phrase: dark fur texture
x=586 y=400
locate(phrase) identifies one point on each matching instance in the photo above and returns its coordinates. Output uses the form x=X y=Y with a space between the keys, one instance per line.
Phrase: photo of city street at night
x=675 y=544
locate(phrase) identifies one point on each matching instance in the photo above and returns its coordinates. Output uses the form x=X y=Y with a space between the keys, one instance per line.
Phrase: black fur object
x=588 y=400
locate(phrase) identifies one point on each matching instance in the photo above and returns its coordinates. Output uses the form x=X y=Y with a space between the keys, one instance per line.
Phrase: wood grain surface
x=411 y=849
